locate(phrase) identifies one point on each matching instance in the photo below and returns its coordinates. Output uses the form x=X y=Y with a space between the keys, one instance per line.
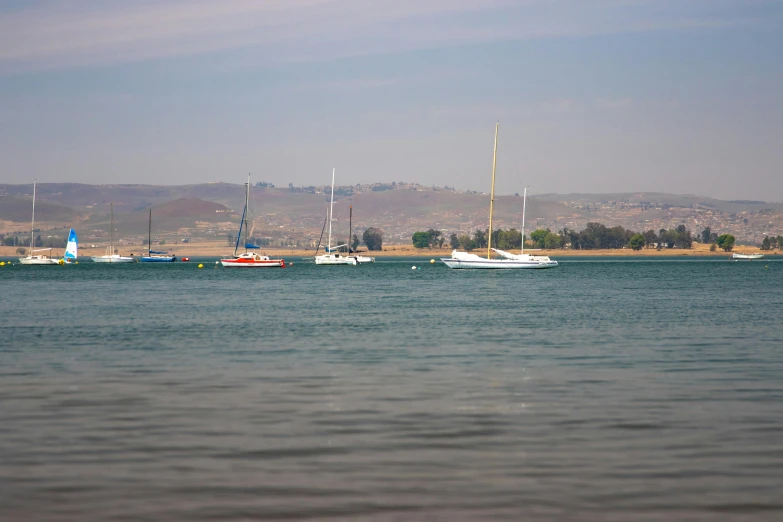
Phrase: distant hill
x=20 y=209
x=172 y=216
x=296 y=214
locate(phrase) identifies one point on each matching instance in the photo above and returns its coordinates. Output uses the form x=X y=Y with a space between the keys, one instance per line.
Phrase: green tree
x=713 y=247
x=421 y=240
x=552 y=240
x=21 y=251
x=780 y=242
x=538 y=237
x=507 y=239
x=465 y=242
x=766 y=244
x=454 y=241
x=650 y=238
x=637 y=242
x=354 y=242
x=705 y=235
x=479 y=239
x=373 y=238
x=434 y=235
x=726 y=242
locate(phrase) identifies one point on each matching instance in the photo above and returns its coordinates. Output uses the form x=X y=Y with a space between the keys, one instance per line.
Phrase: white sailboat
x=71 y=249
x=37 y=259
x=331 y=257
x=749 y=257
x=110 y=256
x=507 y=259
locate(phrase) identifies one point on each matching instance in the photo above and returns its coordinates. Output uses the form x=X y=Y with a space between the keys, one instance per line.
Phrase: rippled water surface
x=603 y=389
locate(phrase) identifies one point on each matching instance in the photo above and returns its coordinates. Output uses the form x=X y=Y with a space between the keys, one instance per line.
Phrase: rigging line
x=322 y=233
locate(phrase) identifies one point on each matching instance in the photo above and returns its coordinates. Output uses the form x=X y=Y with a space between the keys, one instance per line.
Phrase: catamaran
x=249 y=259
x=507 y=260
x=37 y=259
x=110 y=256
x=71 y=248
x=331 y=257
x=153 y=256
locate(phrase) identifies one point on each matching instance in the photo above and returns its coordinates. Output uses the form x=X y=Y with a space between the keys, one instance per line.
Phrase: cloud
x=61 y=33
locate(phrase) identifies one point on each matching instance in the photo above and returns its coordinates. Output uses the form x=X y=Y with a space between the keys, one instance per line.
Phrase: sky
x=680 y=96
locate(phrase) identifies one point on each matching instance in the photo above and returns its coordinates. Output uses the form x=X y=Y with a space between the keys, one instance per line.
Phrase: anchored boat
x=111 y=256
x=749 y=257
x=249 y=259
x=38 y=259
x=331 y=257
x=153 y=256
x=507 y=259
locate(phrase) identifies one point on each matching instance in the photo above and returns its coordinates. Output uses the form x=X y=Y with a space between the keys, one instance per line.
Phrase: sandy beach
x=215 y=249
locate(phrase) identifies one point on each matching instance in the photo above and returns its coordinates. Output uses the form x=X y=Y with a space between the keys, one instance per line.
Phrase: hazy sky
x=680 y=96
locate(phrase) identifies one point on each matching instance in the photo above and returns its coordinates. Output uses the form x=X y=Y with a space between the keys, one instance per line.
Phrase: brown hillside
x=20 y=209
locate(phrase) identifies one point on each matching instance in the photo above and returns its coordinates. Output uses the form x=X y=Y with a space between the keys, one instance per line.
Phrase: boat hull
x=39 y=260
x=243 y=263
x=747 y=256
x=158 y=259
x=335 y=260
x=113 y=259
x=496 y=264
x=364 y=259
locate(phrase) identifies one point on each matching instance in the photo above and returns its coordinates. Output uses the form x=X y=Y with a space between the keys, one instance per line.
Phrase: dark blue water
x=631 y=389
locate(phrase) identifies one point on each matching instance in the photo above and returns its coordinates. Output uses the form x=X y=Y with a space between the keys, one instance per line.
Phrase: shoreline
x=214 y=250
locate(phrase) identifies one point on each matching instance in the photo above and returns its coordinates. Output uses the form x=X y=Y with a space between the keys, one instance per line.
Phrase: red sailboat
x=249 y=259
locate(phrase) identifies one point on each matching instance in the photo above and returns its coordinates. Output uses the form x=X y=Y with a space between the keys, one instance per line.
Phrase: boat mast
x=524 y=200
x=331 y=208
x=350 y=227
x=492 y=194
x=32 y=224
x=149 y=237
x=247 y=201
x=111 y=229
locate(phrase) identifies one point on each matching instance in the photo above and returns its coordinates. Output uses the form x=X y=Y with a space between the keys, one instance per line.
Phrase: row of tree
x=772 y=242
x=593 y=236
x=372 y=239
x=49 y=242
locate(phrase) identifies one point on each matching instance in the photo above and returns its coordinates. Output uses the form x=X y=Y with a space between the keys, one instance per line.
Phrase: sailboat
x=249 y=259
x=507 y=260
x=37 y=259
x=110 y=256
x=71 y=249
x=153 y=256
x=357 y=257
x=330 y=257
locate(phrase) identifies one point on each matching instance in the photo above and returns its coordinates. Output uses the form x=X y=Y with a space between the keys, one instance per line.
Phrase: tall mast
x=32 y=224
x=247 y=202
x=111 y=229
x=492 y=194
x=331 y=207
x=149 y=238
x=524 y=200
x=350 y=227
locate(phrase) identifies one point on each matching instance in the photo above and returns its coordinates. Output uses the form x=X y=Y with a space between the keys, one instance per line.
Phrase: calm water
x=600 y=390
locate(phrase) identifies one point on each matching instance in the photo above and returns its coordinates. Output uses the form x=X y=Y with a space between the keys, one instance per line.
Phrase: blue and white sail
x=71 y=250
